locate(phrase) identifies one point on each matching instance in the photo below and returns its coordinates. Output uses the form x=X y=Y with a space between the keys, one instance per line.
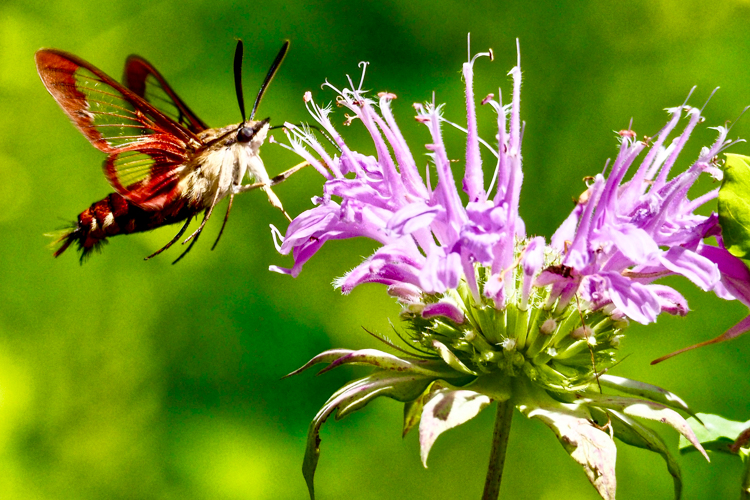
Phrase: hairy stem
x=497 y=456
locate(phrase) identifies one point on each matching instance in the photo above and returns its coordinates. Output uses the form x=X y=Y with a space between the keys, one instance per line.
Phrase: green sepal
x=451 y=359
x=377 y=359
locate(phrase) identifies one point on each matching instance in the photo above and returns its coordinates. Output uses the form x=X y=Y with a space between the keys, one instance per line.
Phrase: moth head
x=252 y=133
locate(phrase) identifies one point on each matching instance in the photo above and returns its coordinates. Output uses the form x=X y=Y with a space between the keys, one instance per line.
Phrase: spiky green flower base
x=559 y=350
x=548 y=361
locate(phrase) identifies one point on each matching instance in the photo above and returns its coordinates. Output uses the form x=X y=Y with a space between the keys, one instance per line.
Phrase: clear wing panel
x=143 y=79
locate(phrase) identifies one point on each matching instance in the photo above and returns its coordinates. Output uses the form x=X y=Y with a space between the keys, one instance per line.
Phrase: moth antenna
x=223 y=225
x=173 y=240
x=238 y=78
x=269 y=76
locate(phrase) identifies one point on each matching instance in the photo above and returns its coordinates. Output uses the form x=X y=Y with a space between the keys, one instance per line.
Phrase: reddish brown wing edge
x=170 y=141
x=137 y=71
x=57 y=68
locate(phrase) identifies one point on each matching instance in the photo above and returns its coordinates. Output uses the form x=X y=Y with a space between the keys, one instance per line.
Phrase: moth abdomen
x=115 y=215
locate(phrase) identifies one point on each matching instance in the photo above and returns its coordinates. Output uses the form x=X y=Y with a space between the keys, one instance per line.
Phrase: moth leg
x=190 y=247
x=172 y=241
x=275 y=180
x=272 y=198
x=223 y=225
x=287 y=173
x=266 y=186
x=203 y=223
x=248 y=187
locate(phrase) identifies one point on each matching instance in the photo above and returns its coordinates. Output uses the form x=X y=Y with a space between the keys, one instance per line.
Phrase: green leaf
x=647 y=409
x=647 y=391
x=445 y=410
x=588 y=445
x=632 y=432
x=353 y=396
x=495 y=385
x=717 y=433
x=734 y=206
x=324 y=357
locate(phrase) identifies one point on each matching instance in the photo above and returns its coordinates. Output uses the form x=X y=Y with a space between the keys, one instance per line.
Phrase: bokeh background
x=129 y=379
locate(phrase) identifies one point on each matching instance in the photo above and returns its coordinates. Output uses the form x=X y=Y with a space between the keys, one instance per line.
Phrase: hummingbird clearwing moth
x=164 y=163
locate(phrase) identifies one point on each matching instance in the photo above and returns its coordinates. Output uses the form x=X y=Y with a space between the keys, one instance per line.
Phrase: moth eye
x=245 y=134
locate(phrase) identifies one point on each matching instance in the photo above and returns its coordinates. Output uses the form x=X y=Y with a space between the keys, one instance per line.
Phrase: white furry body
x=219 y=169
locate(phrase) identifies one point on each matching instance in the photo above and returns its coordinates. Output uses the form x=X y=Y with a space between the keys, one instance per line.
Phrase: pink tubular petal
x=389 y=265
x=533 y=257
x=445 y=309
x=407 y=166
x=679 y=143
x=476 y=244
x=474 y=178
x=632 y=298
x=578 y=255
x=567 y=230
x=388 y=168
x=671 y=301
x=440 y=272
x=445 y=193
x=280 y=270
x=633 y=242
x=637 y=186
x=405 y=292
x=531 y=262
x=694 y=267
x=413 y=217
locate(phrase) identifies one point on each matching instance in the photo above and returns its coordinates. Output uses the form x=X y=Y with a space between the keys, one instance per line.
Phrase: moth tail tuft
x=74 y=234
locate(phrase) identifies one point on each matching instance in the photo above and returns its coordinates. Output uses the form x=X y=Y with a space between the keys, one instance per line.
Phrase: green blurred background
x=130 y=379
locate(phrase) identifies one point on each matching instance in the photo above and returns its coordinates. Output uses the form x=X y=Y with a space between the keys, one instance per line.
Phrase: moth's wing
x=143 y=79
x=147 y=176
x=147 y=150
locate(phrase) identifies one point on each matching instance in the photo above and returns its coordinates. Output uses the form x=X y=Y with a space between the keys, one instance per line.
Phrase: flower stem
x=499 y=444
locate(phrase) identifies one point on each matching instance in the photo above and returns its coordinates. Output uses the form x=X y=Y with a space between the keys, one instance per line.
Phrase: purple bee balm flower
x=629 y=234
x=430 y=239
x=491 y=314
x=621 y=237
